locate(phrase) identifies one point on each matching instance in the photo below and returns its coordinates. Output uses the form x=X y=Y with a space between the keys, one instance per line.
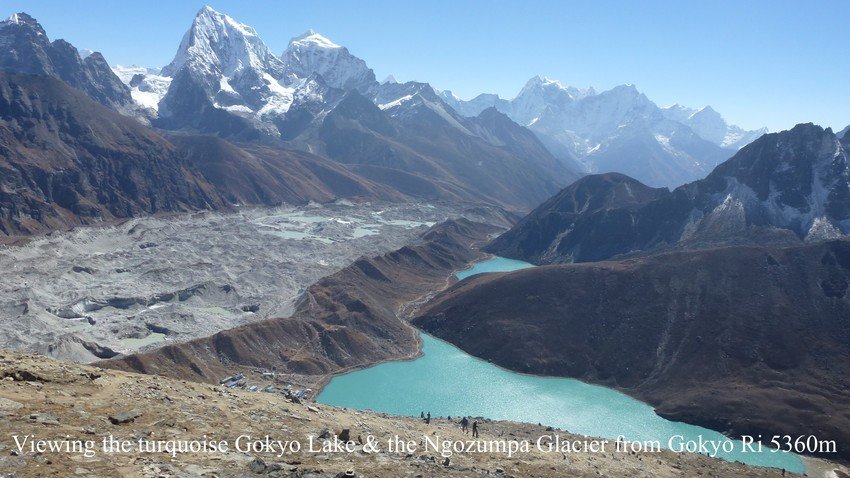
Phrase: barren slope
x=346 y=320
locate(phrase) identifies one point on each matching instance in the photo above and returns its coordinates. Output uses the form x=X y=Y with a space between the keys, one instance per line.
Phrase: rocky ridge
x=784 y=188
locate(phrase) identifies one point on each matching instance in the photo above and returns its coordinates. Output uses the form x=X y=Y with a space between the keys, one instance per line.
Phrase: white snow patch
x=311 y=37
x=393 y=104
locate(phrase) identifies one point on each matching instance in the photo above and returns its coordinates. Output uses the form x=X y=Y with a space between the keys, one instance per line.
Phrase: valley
x=744 y=340
x=250 y=234
x=349 y=319
x=447 y=381
x=95 y=292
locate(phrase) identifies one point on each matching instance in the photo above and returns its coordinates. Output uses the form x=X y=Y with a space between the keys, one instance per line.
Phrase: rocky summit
x=27 y=49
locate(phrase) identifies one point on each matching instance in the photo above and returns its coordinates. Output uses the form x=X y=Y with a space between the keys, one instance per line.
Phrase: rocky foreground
x=56 y=400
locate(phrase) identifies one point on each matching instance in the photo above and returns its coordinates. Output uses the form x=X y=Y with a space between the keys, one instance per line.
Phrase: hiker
x=464 y=425
x=421 y=414
x=475 y=429
x=428 y=418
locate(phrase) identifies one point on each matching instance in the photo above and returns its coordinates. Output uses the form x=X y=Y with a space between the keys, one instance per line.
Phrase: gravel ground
x=59 y=401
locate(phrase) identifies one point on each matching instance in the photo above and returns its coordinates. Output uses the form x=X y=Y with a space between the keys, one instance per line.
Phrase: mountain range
x=783 y=188
x=618 y=130
x=319 y=98
x=722 y=303
x=223 y=66
x=81 y=146
x=403 y=140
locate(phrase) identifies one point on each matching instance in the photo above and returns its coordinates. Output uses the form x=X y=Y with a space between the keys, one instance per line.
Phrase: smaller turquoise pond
x=496 y=264
x=447 y=381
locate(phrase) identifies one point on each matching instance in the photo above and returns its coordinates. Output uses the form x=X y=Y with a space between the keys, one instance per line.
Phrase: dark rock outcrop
x=67 y=160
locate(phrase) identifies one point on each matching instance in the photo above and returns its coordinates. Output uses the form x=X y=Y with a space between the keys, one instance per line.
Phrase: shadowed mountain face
x=426 y=149
x=28 y=50
x=744 y=340
x=67 y=160
x=782 y=188
x=256 y=174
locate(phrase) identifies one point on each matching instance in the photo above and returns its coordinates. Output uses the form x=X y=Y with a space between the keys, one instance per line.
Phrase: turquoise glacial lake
x=449 y=382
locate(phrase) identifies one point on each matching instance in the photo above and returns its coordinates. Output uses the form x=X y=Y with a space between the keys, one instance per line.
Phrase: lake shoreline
x=806 y=464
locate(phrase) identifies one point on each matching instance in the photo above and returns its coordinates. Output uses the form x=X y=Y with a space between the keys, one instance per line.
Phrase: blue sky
x=759 y=63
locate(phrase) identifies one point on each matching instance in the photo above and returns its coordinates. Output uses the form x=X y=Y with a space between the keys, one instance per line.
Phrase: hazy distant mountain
x=843 y=133
x=311 y=53
x=709 y=125
x=25 y=48
x=618 y=130
x=536 y=96
x=782 y=188
x=422 y=147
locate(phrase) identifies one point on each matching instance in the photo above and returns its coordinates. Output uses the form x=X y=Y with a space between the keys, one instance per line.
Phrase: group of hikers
x=464 y=423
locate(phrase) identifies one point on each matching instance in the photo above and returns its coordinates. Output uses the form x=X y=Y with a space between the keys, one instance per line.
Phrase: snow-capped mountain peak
x=224 y=64
x=218 y=42
x=538 y=81
x=542 y=83
x=541 y=94
x=24 y=20
x=708 y=124
x=312 y=53
x=311 y=37
x=14 y=19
